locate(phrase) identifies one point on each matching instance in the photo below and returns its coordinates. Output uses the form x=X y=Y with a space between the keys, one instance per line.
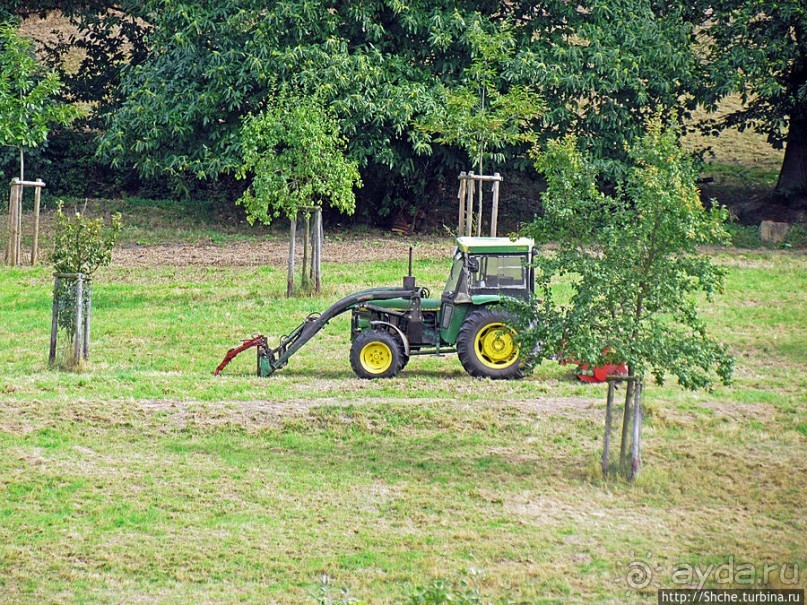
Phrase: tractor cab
x=490 y=266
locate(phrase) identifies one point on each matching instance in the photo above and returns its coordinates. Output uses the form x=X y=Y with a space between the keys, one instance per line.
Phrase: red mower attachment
x=256 y=341
x=585 y=373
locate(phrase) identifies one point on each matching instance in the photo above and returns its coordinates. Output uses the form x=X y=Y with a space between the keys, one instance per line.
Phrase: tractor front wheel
x=376 y=354
x=486 y=345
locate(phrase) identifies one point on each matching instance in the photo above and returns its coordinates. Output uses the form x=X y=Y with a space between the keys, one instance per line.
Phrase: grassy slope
x=146 y=478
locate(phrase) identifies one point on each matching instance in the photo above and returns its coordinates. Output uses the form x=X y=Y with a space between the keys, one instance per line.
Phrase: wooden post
x=292 y=242
x=35 y=245
x=306 y=276
x=636 y=450
x=79 y=335
x=626 y=417
x=606 y=450
x=13 y=246
x=317 y=252
x=494 y=211
x=54 y=322
x=461 y=195
x=87 y=318
x=18 y=214
x=469 y=205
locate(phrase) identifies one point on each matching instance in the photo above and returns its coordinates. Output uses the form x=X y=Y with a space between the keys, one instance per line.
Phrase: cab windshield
x=454 y=277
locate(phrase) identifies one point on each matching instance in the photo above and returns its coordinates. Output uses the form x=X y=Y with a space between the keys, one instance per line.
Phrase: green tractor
x=390 y=325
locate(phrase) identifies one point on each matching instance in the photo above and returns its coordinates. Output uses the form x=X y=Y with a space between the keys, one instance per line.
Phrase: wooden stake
x=606 y=449
x=35 y=246
x=479 y=224
x=626 y=416
x=461 y=195
x=13 y=228
x=292 y=242
x=87 y=318
x=318 y=251
x=469 y=206
x=79 y=335
x=636 y=450
x=494 y=211
x=320 y=241
x=306 y=252
x=54 y=322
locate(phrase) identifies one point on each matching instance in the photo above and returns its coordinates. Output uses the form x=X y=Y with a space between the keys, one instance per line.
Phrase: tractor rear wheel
x=376 y=354
x=486 y=345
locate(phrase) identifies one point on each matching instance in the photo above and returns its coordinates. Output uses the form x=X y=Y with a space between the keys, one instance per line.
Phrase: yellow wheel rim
x=376 y=357
x=495 y=346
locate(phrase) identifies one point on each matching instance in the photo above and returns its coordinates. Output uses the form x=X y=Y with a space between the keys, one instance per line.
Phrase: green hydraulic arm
x=272 y=359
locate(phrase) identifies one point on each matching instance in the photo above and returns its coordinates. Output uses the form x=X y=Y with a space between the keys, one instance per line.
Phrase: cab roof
x=495 y=245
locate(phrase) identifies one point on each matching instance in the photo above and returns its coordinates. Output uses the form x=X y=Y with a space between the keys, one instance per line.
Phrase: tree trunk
x=792 y=183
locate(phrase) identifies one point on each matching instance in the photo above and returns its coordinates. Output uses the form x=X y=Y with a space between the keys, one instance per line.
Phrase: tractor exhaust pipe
x=409 y=279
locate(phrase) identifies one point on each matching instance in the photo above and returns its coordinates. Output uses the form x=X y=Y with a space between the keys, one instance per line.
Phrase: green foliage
x=604 y=69
x=81 y=244
x=758 y=49
x=27 y=107
x=474 y=114
x=631 y=262
x=295 y=155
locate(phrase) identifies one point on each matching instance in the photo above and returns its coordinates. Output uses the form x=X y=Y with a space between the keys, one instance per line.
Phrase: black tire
x=376 y=354
x=486 y=345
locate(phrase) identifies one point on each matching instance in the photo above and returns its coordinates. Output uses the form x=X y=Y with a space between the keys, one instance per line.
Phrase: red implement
x=600 y=373
x=248 y=343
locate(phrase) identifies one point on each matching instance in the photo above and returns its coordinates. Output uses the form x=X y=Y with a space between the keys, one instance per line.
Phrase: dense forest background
x=164 y=89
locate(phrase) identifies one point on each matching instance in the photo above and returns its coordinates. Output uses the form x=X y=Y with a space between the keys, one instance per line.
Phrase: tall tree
x=378 y=63
x=28 y=109
x=758 y=48
x=632 y=264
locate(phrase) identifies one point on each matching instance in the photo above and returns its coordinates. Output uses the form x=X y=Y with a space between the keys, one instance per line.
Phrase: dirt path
x=268 y=251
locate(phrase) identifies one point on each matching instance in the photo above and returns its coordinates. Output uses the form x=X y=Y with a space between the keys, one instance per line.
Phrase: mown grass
x=145 y=478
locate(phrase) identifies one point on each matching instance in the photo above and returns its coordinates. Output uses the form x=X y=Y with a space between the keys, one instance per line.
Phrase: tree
x=294 y=153
x=27 y=105
x=475 y=114
x=109 y=35
x=632 y=264
x=758 y=49
x=603 y=68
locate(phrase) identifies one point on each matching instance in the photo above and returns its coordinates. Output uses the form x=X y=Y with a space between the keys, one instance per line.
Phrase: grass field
x=144 y=478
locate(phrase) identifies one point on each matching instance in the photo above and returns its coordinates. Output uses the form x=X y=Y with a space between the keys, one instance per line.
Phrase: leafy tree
x=603 y=69
x=759 y=49
x=211 y=63
x=632 y=263
x=108 y=36
x=379 y=65
x=476 y=114
x=27 y=105
x=294 y=154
